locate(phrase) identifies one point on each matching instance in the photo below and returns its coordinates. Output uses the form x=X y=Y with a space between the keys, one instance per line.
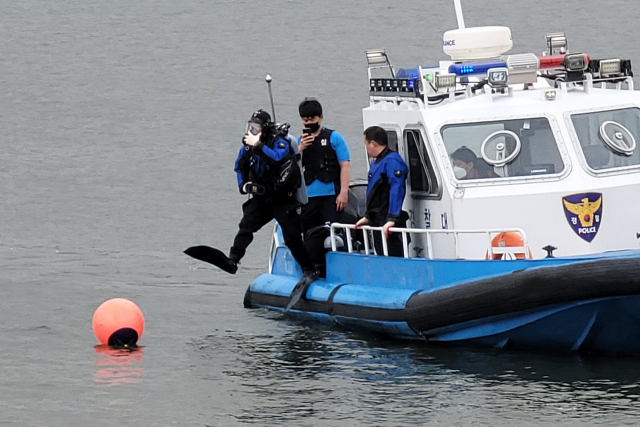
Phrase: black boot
x=231 y=266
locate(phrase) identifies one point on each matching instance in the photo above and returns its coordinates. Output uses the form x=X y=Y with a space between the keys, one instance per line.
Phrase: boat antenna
x=268 y=79
x=459 y=17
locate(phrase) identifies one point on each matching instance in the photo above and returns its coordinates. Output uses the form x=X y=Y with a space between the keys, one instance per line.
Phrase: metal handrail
x=405 y=241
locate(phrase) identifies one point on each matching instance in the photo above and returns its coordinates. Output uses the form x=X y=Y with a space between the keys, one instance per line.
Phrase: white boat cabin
x=555 y=135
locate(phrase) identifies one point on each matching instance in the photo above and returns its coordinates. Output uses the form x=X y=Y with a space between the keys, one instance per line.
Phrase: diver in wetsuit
x=267 y=170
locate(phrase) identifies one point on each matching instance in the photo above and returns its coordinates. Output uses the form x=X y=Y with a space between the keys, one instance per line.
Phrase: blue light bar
x=469 y=68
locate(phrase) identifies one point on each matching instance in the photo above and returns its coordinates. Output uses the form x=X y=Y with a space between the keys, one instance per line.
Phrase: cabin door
x=424 y=200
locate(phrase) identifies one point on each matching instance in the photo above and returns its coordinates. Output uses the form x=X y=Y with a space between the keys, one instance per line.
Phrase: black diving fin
x=300 y=289
x=213 y=256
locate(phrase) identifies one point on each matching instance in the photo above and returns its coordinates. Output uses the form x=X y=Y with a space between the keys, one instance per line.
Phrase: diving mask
x=254 y=128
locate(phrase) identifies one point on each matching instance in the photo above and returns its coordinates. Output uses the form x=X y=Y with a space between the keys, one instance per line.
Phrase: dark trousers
x=256 y=213
x=394 y=241
x=394 y=244
x=320 y=210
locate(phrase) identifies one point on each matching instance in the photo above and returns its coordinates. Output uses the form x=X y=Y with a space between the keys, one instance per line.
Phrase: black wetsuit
x=258 y=165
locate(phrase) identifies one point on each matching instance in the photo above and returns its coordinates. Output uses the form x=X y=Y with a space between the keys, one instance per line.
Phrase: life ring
x=508 y=239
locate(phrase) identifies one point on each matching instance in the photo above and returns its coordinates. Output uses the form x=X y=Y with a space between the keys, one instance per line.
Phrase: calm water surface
x=119 y=124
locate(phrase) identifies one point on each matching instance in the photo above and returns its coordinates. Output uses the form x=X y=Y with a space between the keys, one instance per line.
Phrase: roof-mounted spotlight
x=557 y=43
x=576 y=62
x=377 y=58
x=498 y=77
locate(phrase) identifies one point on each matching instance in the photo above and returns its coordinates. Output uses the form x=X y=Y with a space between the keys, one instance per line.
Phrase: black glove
x=251 y=188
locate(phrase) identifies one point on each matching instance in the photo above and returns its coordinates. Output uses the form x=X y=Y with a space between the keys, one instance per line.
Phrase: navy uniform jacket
x=252 y=164
x=386 y=188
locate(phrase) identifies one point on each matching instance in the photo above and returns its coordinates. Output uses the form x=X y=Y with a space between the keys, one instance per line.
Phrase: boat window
x=421 y=172
x=505 y=148
x=608 y=138
x=392 y=140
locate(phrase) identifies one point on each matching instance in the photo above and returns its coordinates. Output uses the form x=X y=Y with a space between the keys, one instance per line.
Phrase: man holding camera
x=262 y=172
x=325 y=162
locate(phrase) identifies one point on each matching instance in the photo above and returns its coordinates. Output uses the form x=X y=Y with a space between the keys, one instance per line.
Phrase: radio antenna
x=459 y=17
x=268 y=79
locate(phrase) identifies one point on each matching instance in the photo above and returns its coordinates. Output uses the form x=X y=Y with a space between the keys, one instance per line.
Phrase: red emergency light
x=551 y=61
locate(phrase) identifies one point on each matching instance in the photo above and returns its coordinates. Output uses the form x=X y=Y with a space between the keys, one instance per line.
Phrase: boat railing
x=406 y=232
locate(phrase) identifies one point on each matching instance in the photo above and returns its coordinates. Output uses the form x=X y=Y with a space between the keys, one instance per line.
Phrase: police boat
x=540 y=253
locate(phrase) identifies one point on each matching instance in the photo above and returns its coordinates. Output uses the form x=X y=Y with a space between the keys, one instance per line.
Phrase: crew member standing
x=325 y=162
x=264 y=168
x=385 y=190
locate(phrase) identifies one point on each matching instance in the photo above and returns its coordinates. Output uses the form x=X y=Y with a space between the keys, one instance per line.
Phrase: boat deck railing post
x=405 y=245
x=349 y=242
x=385 y=250
x=365 y=233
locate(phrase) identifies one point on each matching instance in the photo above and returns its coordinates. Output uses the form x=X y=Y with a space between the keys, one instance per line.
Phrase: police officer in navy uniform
x=257 y=167
x=325 y=162
x=385 y=191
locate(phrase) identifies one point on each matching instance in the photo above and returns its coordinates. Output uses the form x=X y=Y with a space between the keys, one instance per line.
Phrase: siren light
x=471 y=68
x=551 y=61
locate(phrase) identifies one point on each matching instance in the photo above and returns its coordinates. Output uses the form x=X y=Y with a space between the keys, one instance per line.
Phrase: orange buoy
x=508 y=239
x=118 y=322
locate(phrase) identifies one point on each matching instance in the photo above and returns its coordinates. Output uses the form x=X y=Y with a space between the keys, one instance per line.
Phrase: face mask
x=313 y=127
x=254 y=128
x=459 y=172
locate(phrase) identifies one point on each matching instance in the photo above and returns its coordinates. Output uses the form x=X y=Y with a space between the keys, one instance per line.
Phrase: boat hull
x=577 y=304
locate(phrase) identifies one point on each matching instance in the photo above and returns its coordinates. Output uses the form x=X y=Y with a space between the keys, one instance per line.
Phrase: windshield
x=500 y=149
x=608 y=138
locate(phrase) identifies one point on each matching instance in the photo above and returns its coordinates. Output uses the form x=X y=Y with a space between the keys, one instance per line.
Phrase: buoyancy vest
x=319 y=160
x=283 y=177
x=287 y=177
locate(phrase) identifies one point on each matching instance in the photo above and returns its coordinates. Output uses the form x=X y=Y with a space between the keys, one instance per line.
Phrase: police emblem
x=584 y=213
x=281 y=145
x=323 y=142
x=397 y=173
